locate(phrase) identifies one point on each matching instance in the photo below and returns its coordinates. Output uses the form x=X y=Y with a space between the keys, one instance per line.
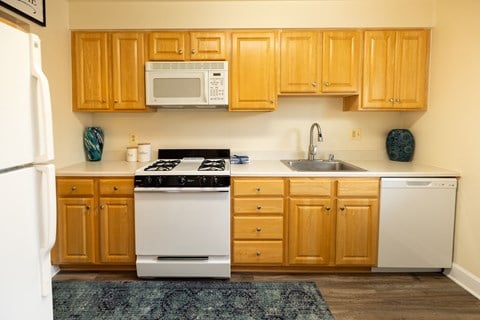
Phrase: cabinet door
x=411 y=69
x=253 y=72
x=75 y=230
x=116 y=229
x=299 y=70
x=90 y=71
x=341 y=60
x=208 y=45
x=128 y=72
x=167 y=45
x=379 y=70
x=310 y=231
x=357 y=232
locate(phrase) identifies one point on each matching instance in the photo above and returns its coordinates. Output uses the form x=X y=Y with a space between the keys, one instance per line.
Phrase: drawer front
x=258 y=187
x=257 y=252
x=116 y=186
x=311 y=187
x=258 y=228
x=75 y=187
x=358 y=187
x=258 y=205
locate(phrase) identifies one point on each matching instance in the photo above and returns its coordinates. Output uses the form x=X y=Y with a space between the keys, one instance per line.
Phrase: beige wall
x=448 y=132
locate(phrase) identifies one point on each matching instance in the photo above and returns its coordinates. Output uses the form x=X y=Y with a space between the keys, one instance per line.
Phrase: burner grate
x=163 y=165
x=212 y=165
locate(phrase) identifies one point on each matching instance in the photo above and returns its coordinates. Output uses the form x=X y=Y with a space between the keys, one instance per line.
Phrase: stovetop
x=186 y=168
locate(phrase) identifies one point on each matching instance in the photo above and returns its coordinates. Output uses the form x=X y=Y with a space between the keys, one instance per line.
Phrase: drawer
x=116 y=186
x=358 y=187
x=257 y=252
x=258 y=228
x=258 y=205
x=311 y=187
x=258 y=187
x=75 y=187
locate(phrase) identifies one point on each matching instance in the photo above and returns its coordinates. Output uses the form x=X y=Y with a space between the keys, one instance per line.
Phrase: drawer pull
x=258 y=253
x=87 y=207
x=259 y=229
x=342 y=208
x=115 y=188
x=328 y=208
x=257 y=189
x=74 y=188
x=259 y=207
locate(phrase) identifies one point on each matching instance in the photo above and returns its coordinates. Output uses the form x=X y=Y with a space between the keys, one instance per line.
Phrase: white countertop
x=272 y=168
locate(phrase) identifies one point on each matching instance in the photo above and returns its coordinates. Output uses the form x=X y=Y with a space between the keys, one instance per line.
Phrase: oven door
x=182 y=222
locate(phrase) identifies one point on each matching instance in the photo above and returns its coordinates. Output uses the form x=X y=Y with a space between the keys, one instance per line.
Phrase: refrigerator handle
x=44 y=105
x=48 y=224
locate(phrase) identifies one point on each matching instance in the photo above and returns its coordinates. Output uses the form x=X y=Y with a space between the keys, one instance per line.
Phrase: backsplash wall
x=284 y=132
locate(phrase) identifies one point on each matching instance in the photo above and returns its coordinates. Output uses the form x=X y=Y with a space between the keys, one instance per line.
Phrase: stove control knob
x=215 y=181
x=203 y=181
x=182 y=180
x=158 y=181
x=148 y=181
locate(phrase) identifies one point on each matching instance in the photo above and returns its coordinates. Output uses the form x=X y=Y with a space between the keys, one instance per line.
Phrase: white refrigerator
x=27 y=179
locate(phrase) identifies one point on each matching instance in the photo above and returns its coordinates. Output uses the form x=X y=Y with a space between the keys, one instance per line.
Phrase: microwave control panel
x=218 y=87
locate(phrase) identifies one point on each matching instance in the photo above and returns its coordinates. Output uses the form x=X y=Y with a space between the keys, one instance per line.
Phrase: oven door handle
x=182 y=190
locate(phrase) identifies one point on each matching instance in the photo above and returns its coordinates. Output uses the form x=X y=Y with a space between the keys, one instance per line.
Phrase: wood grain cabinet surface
x=95 y=225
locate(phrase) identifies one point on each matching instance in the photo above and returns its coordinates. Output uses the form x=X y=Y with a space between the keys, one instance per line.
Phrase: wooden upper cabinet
x=341 y=61
x=395 y=70
x=128 y=73
x=108 y=71
x=299 y=62
x=252 y=75
x=182 y=45
x=90 y=71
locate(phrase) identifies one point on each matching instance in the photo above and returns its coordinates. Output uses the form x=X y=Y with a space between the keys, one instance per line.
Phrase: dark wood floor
x=362 y=296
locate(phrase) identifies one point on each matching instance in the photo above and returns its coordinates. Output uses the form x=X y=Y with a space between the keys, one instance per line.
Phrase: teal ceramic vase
x=93 y=143
x=400 y=145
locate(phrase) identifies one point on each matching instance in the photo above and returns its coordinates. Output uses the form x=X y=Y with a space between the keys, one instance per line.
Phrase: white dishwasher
x=416 y=227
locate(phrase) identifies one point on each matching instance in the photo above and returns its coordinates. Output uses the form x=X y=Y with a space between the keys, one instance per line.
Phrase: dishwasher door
x=416 y=222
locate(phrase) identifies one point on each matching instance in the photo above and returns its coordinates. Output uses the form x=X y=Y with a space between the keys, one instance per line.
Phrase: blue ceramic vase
x=400 y=145
x=93 y=143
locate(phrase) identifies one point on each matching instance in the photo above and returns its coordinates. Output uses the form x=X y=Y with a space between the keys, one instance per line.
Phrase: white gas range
x=182 y=214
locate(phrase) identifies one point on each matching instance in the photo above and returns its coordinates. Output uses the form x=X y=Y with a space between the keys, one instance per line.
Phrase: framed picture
x=33 y=10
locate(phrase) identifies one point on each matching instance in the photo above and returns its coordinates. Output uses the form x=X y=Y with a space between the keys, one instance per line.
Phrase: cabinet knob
x=115 y=101
x=257 y=189
x=115 y=188
x=328 y=208
x=180 y=51
x=342 y=209
x=74 y=188
x=258 y=253
x=102 y=206
x=326 y=83
x=314 y=84
x=194 y=51
x=104 y=101
x=391 y=100
x=272 y=101
x=87 y=207
x=397 y=100
x=259 y=207
x=259 y=229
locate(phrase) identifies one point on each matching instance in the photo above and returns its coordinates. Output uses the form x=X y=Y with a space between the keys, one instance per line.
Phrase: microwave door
x=178 y=88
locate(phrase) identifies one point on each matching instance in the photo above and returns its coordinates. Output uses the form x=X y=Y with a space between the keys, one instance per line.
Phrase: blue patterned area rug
x=175 y=300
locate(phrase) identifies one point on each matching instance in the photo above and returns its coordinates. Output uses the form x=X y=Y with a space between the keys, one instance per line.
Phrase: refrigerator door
x=27 y=233
x=25 y=110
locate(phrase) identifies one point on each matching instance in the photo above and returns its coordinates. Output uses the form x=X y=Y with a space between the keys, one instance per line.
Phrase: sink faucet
x=312 y=148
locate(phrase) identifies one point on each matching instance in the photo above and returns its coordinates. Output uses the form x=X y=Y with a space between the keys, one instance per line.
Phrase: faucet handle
x=331 y=156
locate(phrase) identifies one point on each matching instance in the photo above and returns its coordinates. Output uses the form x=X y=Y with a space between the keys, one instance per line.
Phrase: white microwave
x=186 y=84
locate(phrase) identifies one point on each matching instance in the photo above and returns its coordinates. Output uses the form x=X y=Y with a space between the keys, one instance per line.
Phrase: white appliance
x=182 y=214
x=187 y=84
x=27 y=179
x=416 y=223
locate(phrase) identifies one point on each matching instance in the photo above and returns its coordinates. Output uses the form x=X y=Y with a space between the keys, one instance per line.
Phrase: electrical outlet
x=356 y=134
x=132 y=137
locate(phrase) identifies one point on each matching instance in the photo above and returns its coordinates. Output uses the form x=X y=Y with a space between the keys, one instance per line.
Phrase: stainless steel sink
x=320 y=165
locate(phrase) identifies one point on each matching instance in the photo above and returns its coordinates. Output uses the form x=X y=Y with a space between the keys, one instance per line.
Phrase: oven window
x=177 y=87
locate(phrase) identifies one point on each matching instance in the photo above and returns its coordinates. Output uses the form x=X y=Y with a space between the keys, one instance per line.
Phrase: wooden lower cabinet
x=95 y=222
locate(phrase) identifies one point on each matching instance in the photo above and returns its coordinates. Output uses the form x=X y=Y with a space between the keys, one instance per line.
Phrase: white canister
x=132 y=154
x=144 y=152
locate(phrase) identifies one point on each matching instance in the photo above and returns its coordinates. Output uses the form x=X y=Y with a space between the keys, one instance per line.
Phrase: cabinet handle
x=257 y=189
x=258 y=253
x=391 y=100
x=104 y=101
x=115 y=188
x=326 y=83
x=272 y=101
x=74 y=188
x=327 y=208
x=87 y=207
x=342 y=209
x=194 y=51
x=259 y=207
x=259 y=229
x=180 y=51
x=102 y=206
x=397 y=100
x=314 y=84
x=115 y=101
